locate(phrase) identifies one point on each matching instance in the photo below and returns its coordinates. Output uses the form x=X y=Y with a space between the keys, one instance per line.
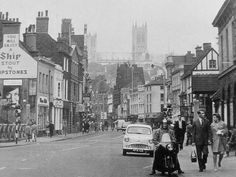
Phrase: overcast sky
x=173 y=25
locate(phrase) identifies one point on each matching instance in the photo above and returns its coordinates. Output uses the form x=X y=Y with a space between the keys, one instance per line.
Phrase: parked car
x=138 y=139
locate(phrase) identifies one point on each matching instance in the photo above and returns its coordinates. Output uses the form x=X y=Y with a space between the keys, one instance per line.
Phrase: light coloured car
x=138 y=139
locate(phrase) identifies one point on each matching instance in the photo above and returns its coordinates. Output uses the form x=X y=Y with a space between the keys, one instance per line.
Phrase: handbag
x=193 y=156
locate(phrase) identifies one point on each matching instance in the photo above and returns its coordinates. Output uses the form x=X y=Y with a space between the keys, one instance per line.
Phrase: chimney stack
x=30 y=38
x=206 y=46
x=42 y=22
x=6 y=15
x=199 y=51
x=0 y=15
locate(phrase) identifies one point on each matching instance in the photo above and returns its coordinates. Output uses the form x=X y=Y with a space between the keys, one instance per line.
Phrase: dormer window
x=212 y=64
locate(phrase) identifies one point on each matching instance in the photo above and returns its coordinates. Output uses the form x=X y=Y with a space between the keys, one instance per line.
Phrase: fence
x=7 y=131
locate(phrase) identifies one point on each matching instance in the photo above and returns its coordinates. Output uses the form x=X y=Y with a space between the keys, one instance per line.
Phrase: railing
x=7 y=131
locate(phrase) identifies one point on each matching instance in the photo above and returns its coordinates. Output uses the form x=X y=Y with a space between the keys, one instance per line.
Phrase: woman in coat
x=219 y=135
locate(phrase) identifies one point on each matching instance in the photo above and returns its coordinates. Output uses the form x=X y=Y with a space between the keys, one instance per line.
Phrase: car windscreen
x=139 y=130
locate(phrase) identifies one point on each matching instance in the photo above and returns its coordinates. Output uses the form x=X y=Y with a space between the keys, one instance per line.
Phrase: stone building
x=225 y=97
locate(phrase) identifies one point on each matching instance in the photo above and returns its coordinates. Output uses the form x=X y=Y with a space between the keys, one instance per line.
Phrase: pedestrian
x=179 y=129
x=28 y=132
x=64 y=127
x=189 y=133
x=201 y=138
x=17 y=132
x=232 y=141
x=51 y=129
x=34 y=129
x=219 y=139
x=227 y=145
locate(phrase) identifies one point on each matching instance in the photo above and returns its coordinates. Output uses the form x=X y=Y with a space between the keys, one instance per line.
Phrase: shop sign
x=58 y=103
x=43 y=101
x=15 y=62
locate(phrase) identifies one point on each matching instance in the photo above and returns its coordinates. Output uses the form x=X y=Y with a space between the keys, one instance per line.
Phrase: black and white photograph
x=117 y=88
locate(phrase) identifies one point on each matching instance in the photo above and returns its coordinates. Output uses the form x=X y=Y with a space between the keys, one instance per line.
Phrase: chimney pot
x=3 y=17
x=38 y=14
x=41 y=14
x=6 y=15
x=17 y=19
x=9 y=19
x=46 y=13
x=0 y=15
x=26 y=29
x=13 y=19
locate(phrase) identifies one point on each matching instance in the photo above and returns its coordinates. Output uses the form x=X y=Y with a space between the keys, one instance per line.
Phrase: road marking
x=24 y=168
x=147 y=166
x=69 y=149
x=2 y=168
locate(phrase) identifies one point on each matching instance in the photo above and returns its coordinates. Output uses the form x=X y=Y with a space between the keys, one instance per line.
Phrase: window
x=222 y=51
x=43 y=84
x=162 y=87
x=212 y=64
x=162 y=97
x=40 y=80
x=59 y=89
x=47 y=83
x=227 y=45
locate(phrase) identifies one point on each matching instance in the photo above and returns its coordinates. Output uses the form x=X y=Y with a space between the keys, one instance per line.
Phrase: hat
x=164 y=121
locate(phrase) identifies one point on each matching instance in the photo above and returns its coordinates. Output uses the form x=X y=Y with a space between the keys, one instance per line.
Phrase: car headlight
x=126 y=139
x=169 y=147
x=150 y=141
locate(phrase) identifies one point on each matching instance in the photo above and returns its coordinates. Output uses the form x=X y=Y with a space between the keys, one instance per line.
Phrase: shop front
x=43 y=113
x=57 y=114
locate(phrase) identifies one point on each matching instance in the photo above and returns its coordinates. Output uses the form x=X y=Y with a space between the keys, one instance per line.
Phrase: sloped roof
x=190 y=70
x=79 y=40
x=46 y=45
x=158 y=81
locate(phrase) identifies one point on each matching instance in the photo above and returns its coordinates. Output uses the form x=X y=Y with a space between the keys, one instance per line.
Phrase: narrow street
x=92 y=156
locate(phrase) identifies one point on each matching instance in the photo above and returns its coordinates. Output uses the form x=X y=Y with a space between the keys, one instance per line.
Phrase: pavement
x=46 y=139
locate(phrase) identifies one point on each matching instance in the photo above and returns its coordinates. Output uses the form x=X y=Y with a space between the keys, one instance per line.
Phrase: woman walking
x=219 y=135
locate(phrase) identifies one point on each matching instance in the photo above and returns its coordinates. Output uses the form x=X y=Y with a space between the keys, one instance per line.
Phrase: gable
x=209 y=64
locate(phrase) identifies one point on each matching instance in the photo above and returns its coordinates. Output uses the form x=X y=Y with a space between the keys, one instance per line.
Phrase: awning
x=216 y=95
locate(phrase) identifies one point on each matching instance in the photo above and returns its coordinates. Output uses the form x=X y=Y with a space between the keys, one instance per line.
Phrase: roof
x=46 y=45
x=138 y=125
x=220 y=12
x=79 y=40
x=158 y=81
x=198 y=60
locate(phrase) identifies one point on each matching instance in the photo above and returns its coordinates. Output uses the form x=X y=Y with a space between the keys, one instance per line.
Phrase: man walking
x=201 y=138
x=180 y=128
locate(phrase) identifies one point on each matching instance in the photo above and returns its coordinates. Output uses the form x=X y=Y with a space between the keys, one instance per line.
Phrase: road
x=90 y=156
x=98 y=155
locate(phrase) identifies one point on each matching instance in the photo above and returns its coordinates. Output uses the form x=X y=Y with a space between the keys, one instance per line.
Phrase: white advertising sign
x=15 y=62
x=11 y=40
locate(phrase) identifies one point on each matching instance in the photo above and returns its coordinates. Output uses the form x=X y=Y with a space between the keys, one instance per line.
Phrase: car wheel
x=151 y=154
x=124 y=152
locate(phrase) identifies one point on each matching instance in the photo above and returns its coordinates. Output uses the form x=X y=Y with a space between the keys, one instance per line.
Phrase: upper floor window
x=162 y=87
x=59 y=89
x=212 y=64
x=162 y=97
